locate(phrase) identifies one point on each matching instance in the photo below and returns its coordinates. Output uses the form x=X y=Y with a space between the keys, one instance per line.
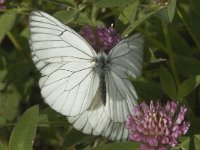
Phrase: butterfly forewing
x=125 y=58
x=128 y=55
x=62 y=43
x=65 y=60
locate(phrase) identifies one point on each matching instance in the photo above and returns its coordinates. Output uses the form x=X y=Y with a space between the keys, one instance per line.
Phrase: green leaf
x=66 y=16
x=9 y=103
x=185 y=143
x=129 y=13
x=3 y=144
x=197 y=141
x=25 y=33
x=72 y=15
x=192 y=19
x=2 y=86
x=179 y=44
x=167 y=14
x=187 y=66
x=75 y=138
x=21 y=68
x=145 y=91
x=112 y=3
x=119 y=146
x=142 y=18
x=167 y=82
x=188 y=86
x=83 y=18
x=23 y=134
x=7 y=22
x=3 y=74
x=66 y=2
x=194 y=128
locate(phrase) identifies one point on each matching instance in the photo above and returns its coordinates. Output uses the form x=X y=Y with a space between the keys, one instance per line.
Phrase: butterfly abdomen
x=102 y=87
x=102 y=61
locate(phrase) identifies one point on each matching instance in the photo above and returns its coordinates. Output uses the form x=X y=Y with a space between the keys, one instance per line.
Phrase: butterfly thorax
x=102 y=60
x=102 y=66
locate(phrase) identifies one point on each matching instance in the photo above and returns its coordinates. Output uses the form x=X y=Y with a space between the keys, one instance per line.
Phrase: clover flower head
x=157 y=127
x=2 y=5
x=101 y=38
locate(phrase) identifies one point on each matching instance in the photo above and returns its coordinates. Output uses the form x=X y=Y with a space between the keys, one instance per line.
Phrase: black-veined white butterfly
x=91 y=89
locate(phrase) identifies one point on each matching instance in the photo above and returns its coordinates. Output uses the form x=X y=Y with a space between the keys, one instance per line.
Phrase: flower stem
x=94 y=15
x=14 y=41
x=188 y=28
x=171 y=54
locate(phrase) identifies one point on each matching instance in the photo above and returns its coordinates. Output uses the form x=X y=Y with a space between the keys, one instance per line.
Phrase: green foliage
x=9 y=104
x=188 y=86
x=7 y=22
x=129 y=13
x=23 y=134
x=185 y=143
x=197 y=141
x=167 y=82
x=167 y=14
x=119 y=146
x=171 y=68
x=187 y=66
x=112 y=3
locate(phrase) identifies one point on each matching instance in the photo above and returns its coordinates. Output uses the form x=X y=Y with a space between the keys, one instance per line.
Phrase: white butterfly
x=91 y=89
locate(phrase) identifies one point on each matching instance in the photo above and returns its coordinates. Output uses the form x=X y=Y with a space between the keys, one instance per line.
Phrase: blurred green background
x=171 y=67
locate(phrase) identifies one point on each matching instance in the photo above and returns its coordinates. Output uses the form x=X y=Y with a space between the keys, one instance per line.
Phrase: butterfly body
x=102 y=66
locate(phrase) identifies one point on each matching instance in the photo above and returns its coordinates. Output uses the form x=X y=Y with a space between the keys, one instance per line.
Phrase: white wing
x=63 y=44
x=65 y=60
x=125 y=58
x=95 y=121
x=127 y=55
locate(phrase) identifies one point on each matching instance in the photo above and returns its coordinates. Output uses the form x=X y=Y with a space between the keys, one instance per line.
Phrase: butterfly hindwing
x=95 y=121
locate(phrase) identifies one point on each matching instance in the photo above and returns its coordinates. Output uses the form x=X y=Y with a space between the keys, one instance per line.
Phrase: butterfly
x=91 y=89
